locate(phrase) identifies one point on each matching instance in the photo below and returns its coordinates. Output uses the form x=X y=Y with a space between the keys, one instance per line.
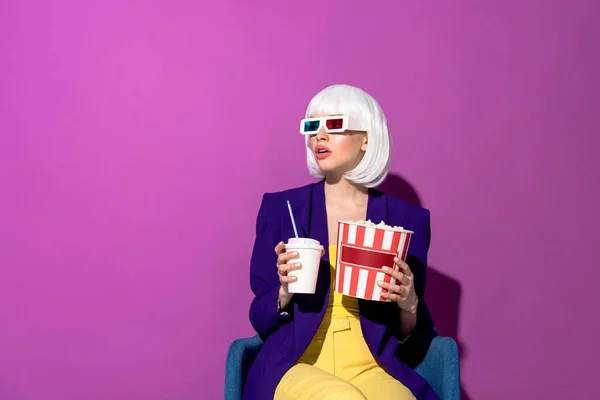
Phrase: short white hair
x=355 y=102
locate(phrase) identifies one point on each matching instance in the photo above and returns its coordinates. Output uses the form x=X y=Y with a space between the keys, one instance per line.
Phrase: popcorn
x=379 y=225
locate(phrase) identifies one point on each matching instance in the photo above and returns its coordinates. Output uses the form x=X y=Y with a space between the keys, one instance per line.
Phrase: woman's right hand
x=283 y=268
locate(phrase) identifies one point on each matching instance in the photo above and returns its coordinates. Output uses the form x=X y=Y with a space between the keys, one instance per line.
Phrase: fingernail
x=385 y=268
x=380 y=283
x=295 y=253
x=298 y=265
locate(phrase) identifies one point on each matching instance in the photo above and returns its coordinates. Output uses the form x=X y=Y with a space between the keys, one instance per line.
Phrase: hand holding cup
x=284 y=266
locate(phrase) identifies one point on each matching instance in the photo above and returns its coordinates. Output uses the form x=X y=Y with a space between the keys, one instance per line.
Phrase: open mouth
x=322 y=152
x=320 y=149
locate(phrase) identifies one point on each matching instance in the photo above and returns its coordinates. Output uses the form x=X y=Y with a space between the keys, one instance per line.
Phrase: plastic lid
x=303 y=243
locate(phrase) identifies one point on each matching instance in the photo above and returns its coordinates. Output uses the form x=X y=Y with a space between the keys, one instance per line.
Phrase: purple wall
x=122 y=277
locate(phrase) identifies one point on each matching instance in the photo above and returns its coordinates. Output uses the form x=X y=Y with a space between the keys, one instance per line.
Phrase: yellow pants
x=339 y=365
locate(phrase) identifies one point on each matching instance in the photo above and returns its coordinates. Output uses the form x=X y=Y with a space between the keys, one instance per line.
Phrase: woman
x=327 y=345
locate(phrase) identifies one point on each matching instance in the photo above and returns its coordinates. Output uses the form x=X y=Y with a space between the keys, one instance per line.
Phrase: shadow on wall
x=442 y=293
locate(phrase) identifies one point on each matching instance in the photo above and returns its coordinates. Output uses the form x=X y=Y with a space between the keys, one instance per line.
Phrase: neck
x=339 y=190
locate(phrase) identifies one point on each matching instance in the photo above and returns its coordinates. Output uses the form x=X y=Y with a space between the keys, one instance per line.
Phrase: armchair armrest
x=441 y=368
x=240 y=356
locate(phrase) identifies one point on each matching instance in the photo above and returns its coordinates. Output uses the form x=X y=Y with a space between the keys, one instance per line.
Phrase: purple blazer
x=287 y=336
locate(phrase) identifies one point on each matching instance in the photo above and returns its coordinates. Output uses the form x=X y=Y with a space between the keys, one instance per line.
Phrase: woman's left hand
x=403 y=292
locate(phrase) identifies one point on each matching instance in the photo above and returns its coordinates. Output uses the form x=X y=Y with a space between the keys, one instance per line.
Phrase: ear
x=365 y=143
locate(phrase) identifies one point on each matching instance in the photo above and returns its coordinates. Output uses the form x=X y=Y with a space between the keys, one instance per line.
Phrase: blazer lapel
x=317 y=228
x=301 y=210
x=377 y=207
x=308 y=206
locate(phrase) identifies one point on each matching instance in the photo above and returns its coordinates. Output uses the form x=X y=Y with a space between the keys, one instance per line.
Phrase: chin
x=331 y=168
x=327 y=166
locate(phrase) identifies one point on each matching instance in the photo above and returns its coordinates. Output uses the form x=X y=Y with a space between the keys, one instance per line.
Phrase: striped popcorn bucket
x=362 y=251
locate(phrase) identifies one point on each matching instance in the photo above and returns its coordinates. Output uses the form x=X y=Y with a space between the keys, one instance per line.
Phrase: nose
x=322 y=135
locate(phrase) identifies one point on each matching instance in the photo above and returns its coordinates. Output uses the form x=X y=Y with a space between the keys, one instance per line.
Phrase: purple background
x=136 y=139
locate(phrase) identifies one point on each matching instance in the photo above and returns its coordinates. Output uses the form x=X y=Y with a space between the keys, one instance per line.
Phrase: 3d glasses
x=332 y=124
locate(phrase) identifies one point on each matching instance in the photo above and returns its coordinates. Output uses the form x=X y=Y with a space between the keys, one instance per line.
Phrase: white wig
x=352 y=101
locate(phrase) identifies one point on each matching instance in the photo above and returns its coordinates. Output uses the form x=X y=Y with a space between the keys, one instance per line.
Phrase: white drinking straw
x=292 y=217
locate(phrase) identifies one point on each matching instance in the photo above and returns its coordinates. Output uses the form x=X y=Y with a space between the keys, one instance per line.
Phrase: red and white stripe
x=361 y=252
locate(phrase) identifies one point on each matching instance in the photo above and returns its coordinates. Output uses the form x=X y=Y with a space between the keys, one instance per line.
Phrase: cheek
x=348 y=144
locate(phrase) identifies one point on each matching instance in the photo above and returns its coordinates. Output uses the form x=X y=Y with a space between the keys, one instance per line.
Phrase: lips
x=322 y=152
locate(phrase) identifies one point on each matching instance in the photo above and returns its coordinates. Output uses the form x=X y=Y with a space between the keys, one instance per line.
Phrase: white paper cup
x=309 y=252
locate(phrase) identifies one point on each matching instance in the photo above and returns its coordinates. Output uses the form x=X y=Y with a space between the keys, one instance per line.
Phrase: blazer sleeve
x=412 y=350
x=264 y=280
